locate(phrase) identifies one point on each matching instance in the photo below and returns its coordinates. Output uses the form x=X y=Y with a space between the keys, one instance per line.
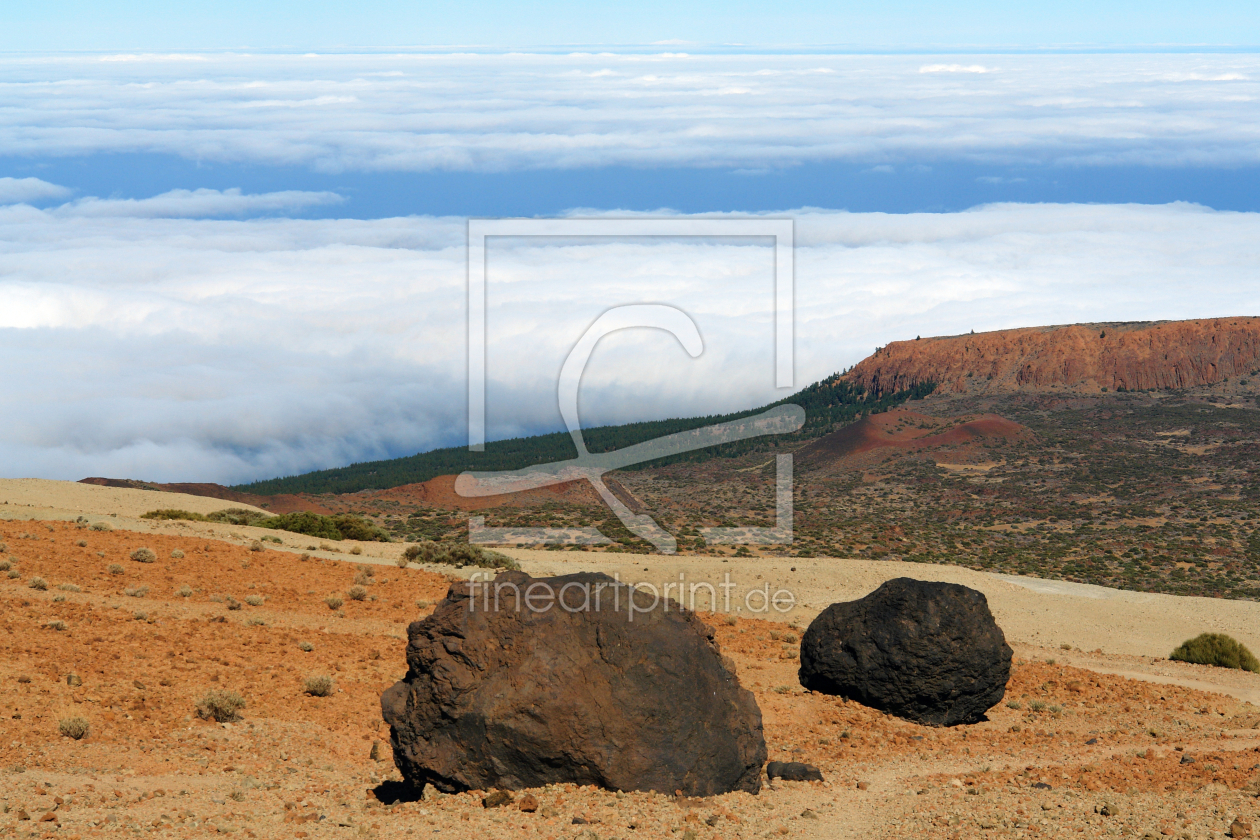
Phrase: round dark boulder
x=927 y=652
x=523 y=682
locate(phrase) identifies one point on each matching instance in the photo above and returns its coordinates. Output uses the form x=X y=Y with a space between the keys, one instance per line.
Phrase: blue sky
x=893 y=24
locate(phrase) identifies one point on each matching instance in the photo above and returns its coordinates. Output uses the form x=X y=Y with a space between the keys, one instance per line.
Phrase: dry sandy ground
x=1175 y=759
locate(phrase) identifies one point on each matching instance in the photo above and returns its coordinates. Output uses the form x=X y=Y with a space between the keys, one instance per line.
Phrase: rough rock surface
x=588 y=693
x=928 y=652
x=1081 y=357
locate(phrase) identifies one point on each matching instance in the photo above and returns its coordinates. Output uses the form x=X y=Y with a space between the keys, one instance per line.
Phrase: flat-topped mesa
x=1082 y=358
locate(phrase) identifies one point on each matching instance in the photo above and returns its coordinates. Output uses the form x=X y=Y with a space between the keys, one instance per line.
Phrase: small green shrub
x=356 y=551
x=1036 y=705
x=75 y=727
x=357 y=593
x=238 y=516
x=458 y=554
x=5 y=565
x=1014 y=704
x=136 y=591
x=114 y=569
x=38 y=583
x=254 y=600
x=100 y=526
x=257 y=546
x=14 y=574
x=306 y=647
x=1216 y=649
x=143 y=555
x=318 y=685
x=221 y=705
x=81 y=543
x=177 y=555
x=56 y=624
x=333 y=602
x=173 y=513
x=184 y=591
x=233 y=604
x=364 y=578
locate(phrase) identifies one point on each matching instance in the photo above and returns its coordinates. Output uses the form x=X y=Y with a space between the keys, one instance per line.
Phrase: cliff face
x=1081 y=357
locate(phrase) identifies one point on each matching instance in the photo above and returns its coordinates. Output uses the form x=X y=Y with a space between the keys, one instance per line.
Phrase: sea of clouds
x=176 y=348
x=507 y=111
x=206 y=335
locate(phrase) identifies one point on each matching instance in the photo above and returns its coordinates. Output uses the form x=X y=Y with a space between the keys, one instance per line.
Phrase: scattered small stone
x=528 y=803
x=1238 y=828
x=1091 y=742
x=497 y=799
x=793 y=771
x=1185 y=759
x=1110 y=809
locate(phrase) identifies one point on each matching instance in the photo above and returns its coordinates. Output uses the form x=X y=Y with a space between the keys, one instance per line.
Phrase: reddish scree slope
x=894 y=431
x=1081 y=357
x=273 y=504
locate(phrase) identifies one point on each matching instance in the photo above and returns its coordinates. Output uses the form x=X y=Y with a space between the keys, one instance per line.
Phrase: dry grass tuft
x=74 y=727
x=318 y=685
x=221 y=705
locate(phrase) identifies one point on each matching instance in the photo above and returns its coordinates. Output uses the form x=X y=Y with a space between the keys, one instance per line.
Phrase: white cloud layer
x=508 y=111
x=198 y=204
x=19 y=190
x=181 y=349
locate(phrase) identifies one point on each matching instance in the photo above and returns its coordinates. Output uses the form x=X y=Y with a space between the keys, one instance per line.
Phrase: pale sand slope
x=38 y=498
x=1109 y=630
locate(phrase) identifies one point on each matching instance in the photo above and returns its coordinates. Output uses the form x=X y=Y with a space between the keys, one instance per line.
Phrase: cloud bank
x=495 y=112
x=223 y=350
x=19 y=190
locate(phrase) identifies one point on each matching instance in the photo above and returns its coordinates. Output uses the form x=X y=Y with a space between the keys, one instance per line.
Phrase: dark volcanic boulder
x=928 y=652
x=562 y=681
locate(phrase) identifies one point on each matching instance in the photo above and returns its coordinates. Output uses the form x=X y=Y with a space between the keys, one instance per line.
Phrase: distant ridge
x=1085 y=358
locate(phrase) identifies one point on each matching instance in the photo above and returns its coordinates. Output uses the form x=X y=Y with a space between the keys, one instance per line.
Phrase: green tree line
x=828 y=405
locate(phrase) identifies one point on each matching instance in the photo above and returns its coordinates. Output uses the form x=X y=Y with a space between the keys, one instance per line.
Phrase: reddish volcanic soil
x=1081 y=357
x=904 y=431
x=440 y=493
x=1065 y=742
